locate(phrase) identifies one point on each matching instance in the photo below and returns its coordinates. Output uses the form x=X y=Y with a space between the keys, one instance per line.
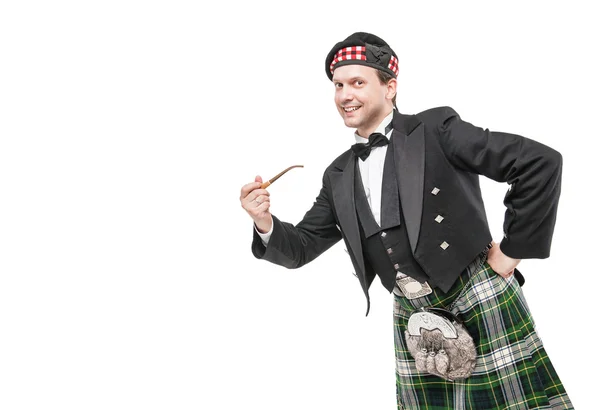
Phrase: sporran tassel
x=442 y=362
x=431 y=362
x=421 y=360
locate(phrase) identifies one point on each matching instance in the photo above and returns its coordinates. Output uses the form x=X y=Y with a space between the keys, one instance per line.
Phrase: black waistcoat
x=386 y=248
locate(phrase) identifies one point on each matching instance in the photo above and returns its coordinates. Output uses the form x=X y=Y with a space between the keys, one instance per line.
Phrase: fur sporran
x=440 y=344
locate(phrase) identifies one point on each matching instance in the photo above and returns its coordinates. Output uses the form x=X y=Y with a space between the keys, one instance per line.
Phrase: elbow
x=555 y=159
x=549 y=161
x=555 y=162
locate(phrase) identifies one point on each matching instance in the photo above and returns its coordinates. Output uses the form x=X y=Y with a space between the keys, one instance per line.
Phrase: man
x=406 y=201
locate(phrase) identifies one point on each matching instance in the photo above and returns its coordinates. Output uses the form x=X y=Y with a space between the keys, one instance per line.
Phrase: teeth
x=348 y=109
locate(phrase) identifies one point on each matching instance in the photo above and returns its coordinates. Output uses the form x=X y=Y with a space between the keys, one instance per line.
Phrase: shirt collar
x=380 y=128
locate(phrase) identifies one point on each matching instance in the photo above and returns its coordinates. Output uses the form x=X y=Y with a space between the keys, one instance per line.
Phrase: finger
x=258 y=202
x=261 y=192
x=261 y=198
x=252 y=196
x=252 y=190
x=251 y=201
x=258 y=179
x=264 y=207
x=252 y=206
x=246 y=189
x=261 y=209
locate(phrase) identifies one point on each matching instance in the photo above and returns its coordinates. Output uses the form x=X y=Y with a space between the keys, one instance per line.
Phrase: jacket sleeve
x=532 y=169
x=294 y=246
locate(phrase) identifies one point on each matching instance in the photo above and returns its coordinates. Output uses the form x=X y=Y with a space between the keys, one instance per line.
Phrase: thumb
x=258 y=179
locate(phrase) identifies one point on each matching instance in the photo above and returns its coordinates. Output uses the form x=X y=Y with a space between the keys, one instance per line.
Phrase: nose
x=345 y=94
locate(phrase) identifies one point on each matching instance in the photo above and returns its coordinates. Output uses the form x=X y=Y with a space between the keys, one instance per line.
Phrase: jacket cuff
x=518 y=250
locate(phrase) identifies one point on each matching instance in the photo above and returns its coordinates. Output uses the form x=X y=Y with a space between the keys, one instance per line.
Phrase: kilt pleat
x=512 y=370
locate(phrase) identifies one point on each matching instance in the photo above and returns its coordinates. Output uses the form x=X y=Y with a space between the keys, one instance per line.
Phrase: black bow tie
x=375 y=140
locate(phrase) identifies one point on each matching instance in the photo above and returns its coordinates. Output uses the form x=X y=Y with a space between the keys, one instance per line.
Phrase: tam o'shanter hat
x=364 y=49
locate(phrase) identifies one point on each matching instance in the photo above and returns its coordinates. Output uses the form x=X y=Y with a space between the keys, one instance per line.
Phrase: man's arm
x=532 y=169
x=294 y=246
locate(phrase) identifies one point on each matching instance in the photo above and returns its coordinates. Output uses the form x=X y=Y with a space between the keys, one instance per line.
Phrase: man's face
x=361 y=98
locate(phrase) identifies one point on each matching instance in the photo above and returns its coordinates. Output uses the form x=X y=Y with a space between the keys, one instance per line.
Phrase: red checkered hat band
x=393 y=65
x=349 y=53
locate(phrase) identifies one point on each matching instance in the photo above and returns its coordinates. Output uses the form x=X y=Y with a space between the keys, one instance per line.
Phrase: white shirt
x=371 y=171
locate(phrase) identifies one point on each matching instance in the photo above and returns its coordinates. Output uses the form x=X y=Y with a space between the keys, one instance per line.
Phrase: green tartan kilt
x=512 y=370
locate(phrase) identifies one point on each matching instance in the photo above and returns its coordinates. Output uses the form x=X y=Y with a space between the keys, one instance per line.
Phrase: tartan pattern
x=512 y=371
x=349 y=53
x=393 y=65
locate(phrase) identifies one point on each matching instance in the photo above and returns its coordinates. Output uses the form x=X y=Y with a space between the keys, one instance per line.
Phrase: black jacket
x=439 y=158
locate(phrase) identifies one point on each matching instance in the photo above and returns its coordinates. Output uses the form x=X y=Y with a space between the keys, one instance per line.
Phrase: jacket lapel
x=342 y=185
x=409 y=156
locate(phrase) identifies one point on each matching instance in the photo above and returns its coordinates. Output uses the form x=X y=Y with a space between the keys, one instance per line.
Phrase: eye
x=359 y=82
x=338 y=85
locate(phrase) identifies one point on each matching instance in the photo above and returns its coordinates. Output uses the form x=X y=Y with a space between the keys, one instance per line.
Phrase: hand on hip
x=502 y=264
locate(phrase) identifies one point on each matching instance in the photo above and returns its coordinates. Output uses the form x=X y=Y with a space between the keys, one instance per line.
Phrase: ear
x=391 y=89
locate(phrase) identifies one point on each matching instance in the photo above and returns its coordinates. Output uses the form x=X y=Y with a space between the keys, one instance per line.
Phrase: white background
x=127 y=130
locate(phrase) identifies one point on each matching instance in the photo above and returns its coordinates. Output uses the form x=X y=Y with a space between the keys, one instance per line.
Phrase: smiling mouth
x=350 y=109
